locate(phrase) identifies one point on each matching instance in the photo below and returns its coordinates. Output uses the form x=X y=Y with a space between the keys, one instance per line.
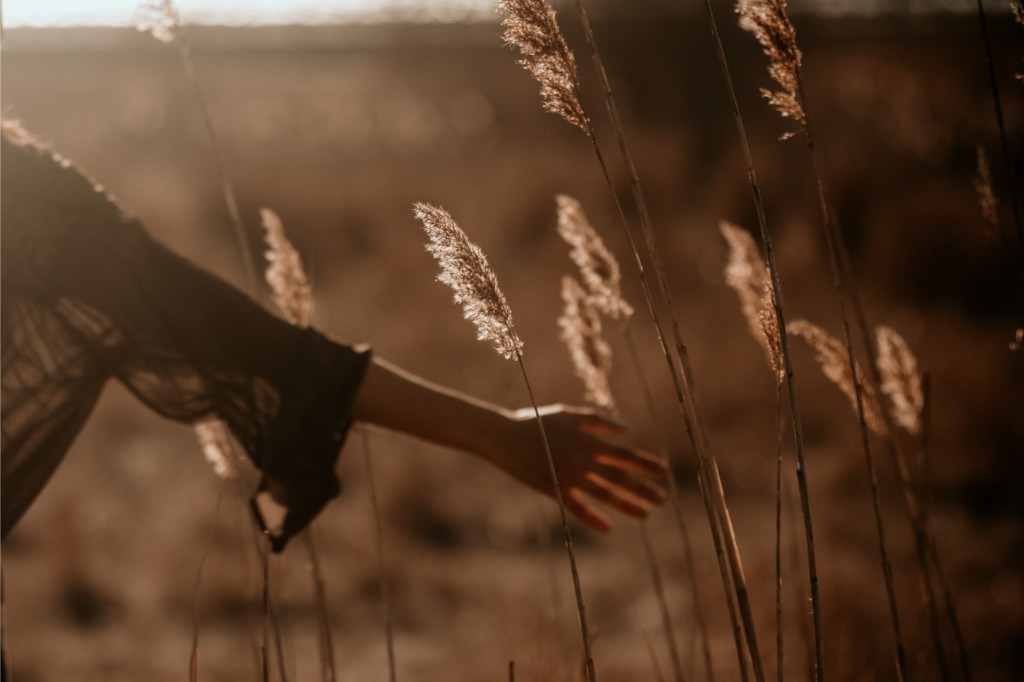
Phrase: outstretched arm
x=589 y=468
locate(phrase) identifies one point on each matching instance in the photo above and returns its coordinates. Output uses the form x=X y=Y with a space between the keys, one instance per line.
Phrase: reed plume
x=831 y=354
x=465 y=269
x=982 y=182
x=580 y=329
x=748 y=275
x=769 y=21
x=289 y=286
x=213 y=438
x=901 y=381
x=598 y=266
x=531 y=26
x=160 y=19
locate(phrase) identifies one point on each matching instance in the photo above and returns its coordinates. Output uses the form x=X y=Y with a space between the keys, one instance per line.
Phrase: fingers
x=615 y=479
x=594 y=423
x=633 y=460
x=627 y=504
x=591 y=517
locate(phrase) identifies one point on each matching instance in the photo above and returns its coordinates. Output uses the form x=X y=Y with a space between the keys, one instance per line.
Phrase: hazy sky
x=121 y=12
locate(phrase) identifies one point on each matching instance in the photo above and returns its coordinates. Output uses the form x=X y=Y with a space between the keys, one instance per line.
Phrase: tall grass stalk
x=675 y=498
x=581 y=330
x=324 y=639
x=193 y=664
x=795 y=415
x=997 y=106
x=771 y=24
x=779 y=426
x=161 y=19
x=382 y=570
x=465 y=269
x=293 y=296
x=530 y=25
x=659 y=590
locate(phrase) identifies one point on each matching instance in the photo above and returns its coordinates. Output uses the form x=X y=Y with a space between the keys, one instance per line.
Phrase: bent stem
x=570 y=549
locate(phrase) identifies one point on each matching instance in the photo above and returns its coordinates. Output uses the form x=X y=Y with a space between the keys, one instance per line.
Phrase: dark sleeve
x=189 y=345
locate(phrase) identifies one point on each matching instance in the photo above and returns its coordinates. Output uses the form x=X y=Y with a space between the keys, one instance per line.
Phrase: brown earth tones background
x=340 y=130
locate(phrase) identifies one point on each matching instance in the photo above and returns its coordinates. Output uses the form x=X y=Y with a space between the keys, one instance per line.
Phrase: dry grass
x=462 y=564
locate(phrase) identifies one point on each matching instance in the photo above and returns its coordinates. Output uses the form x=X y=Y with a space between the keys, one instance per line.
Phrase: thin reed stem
x=570 y=549
x=674 y=495
x=779 y=427
x=227 y=189
x=324 y=639
x=193 y=665
x=659 y=591
x=1004 y=145
x=653 y=656
x=385 y=594
x=265 y=648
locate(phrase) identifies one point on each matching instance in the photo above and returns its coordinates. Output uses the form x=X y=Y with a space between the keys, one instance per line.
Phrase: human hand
x=589 y=468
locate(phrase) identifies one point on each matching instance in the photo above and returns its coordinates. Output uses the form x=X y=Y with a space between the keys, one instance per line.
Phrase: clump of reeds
x=465 y=269
x=601 y=273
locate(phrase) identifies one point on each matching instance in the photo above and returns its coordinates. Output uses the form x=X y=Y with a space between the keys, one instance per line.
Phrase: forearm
x=394 y=399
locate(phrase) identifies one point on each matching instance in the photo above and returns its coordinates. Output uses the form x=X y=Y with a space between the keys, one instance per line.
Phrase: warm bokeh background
x=340 y=130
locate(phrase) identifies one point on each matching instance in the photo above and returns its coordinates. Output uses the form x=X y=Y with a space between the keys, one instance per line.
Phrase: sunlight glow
x=241 y=12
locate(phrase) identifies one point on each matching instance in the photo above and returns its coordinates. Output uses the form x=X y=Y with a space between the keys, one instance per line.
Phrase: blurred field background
x=340 y=129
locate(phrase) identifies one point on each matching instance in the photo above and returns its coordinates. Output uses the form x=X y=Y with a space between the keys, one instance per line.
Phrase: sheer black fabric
x=88 y=295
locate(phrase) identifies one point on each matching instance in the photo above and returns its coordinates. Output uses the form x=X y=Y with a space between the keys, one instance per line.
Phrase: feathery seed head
x=833 y=358
x=769 y=21
x=465 y=269
x=580 y=330
x=160 y=19
x=748 y=275
x=597 y=264
x=987 y=201
x=287 y=279
x=216 y=445
x=901 y=381
x=531 y=26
